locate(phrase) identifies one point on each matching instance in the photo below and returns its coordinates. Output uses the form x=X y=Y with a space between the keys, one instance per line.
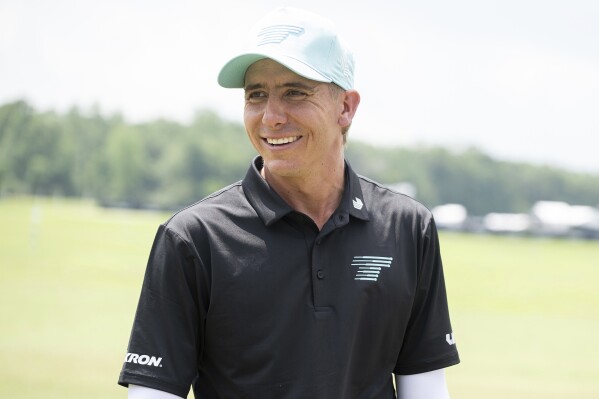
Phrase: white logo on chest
x=370 y=267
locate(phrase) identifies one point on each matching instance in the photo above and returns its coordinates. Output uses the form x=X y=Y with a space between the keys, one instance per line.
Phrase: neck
x=316 y=196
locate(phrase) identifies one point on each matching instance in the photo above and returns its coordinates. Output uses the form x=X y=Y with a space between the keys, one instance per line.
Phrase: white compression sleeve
x=139 y=392
x=430 y=385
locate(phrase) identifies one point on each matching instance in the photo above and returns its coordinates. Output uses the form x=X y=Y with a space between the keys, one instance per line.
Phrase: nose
x=274 y=113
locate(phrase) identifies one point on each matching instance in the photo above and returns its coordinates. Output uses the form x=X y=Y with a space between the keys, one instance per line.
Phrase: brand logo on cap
x=277 y=33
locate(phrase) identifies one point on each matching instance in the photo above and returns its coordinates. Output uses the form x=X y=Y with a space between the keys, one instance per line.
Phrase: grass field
x=525 y=311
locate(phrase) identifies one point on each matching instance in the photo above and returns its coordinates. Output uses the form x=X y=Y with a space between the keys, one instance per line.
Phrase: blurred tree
x=124 y=166
x=166 y=164
x=14 y=121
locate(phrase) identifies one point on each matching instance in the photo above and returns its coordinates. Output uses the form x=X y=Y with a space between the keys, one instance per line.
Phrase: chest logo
x=369 y=267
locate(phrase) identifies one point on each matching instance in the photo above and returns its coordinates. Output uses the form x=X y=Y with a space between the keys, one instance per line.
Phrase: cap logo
x=277 y=33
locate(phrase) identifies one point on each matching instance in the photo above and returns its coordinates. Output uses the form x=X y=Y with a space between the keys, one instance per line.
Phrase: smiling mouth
x=282 y=140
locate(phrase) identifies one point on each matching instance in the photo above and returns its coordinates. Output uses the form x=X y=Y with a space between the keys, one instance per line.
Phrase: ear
x=351 y=100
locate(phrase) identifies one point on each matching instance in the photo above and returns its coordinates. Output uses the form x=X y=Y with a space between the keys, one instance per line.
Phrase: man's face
x=293 y=122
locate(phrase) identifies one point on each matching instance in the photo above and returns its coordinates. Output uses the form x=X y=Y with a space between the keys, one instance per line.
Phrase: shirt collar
x=270 y=207
x=353 y=200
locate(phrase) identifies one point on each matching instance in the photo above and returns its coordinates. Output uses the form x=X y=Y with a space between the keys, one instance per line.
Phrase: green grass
x=525 y=311
x=70 y=275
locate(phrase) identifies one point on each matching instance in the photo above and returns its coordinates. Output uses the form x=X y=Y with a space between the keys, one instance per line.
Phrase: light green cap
x=304 y=42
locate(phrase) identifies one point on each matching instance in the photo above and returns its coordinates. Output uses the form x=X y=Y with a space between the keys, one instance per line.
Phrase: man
x=304 y=280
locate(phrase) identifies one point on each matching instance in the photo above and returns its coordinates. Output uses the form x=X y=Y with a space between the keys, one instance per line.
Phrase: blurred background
x=111 y=119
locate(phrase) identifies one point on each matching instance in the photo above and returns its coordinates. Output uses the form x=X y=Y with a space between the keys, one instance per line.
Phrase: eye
x=255 y=96
x=296 y=94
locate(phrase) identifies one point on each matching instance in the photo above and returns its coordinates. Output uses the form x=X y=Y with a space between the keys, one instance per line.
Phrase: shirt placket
x=321 y=261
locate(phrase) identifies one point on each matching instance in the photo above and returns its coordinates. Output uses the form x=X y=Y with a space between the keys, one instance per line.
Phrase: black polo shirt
x=246 y=298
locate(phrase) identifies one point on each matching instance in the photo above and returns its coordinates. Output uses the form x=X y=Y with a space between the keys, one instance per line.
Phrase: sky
x=518 y=79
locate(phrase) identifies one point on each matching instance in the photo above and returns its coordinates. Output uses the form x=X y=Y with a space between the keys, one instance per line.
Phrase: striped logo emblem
x=369 y=267
x=277 y=33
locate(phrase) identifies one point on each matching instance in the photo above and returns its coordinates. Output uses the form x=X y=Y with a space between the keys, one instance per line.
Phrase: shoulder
x=214 y=208
x=387 y=201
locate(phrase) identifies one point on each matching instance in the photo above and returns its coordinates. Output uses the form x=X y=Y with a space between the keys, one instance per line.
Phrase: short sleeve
x=164 y=345
x=428 y=343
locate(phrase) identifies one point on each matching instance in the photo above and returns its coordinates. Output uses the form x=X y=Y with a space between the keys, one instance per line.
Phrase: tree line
x=166 y=165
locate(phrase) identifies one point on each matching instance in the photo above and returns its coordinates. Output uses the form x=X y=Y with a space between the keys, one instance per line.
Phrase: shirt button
x=320 y=274
x=318 y=241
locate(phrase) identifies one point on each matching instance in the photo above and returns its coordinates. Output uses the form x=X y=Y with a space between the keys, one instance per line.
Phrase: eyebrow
x=293 y=85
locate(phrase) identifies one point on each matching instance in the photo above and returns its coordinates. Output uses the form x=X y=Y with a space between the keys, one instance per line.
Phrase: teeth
x=282 y=140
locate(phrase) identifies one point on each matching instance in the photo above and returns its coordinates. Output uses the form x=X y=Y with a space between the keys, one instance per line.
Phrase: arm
x=167 y=325
x=139 y=392
x=430 y=385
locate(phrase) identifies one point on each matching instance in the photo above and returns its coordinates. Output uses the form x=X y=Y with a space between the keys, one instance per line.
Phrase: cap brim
x=232 y=75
